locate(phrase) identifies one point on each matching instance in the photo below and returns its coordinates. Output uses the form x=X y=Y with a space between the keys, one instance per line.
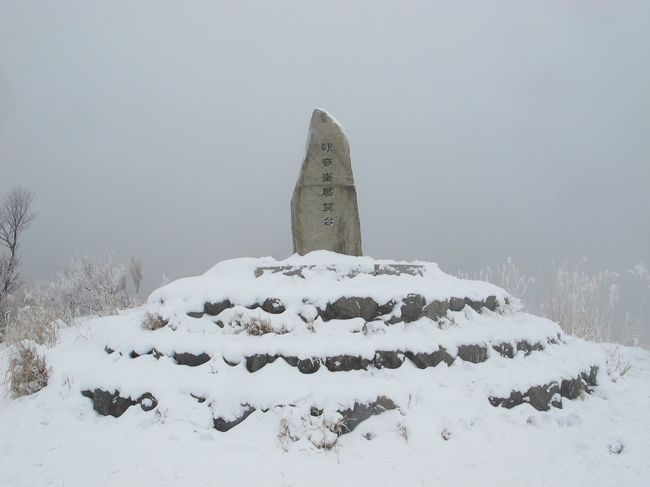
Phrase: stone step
x=541 y=397
x=407 y=309
x=390 y=359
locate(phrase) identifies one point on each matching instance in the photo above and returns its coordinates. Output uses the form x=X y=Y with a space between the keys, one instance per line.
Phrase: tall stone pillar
x=324 y=212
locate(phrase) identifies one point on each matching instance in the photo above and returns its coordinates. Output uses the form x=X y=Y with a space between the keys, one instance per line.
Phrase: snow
x=326 y=280
x=444 y=431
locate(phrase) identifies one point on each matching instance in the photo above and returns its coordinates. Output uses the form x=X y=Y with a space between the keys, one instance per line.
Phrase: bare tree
x=15 y=217
x=135 y=269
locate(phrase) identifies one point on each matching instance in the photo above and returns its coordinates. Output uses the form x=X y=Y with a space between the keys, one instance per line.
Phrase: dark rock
x=387 y=308
x=257 y=361
x=572 y=388
x=423 y=360
x=592 y=378
x=540 y=397
x=505 y=349
x=345 y=363
x=314 y=411
x=223 y=425
x=412 y=307
x=213 y=309
x=456 y=304
x=147 y=402
x=473 y=353
x=293 y=361
x=195 y=314
x=156 y=353
x=200 y=399
x=360 y=412
x=308 y=365
x=516 y=398
x=348 y=308
x=475 y=305
x=491 y=303
x=393 y=320
x=134 y=354
x=436 y=309
x=273 y=306
x=388 y=359
x=191 y=359
x=107 y=403
x=527 y=348
x=108 y=350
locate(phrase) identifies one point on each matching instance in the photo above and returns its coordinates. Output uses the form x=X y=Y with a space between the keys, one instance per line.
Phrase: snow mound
x=320 y=344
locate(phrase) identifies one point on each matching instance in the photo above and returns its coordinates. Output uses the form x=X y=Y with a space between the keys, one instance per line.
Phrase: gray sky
x=174 y=131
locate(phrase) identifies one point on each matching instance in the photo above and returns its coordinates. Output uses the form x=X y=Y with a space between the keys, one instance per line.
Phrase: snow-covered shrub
x=153 y=322
x=28 y=372
x=93 y=286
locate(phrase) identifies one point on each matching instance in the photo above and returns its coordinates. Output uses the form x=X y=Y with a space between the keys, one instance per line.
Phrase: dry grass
x=38 y=323
x=617 y=365
x=285 y=437
x=403 y=431
x=257 y=326
x=28 y=373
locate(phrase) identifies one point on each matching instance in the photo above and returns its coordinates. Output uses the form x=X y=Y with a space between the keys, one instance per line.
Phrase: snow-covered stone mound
x=331 y=340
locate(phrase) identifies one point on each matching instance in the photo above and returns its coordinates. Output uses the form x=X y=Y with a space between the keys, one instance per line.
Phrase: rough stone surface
x=213 y=309
x=473 y=353
x=412 y=307
x=456 y=304
x=504 y=349
x=345 y=363
x=347 y=308
x=360 y=412
x=544 y=396
x=273 y=306
x=436 y=309
x=324 y=211
x=147 y=401
x=388 y=359
x=423 y=360
x=221 y=424
x=491 y=303
x=256 y=362
x=191 y=359
x=107 y=403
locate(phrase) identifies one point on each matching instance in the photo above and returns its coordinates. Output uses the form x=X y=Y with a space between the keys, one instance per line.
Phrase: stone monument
x=324 y=212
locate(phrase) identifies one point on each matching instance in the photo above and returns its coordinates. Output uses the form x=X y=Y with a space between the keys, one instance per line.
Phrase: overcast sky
x=175 y=131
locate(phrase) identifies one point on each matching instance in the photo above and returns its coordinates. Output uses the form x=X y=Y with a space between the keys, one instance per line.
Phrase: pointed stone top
x=325 y=117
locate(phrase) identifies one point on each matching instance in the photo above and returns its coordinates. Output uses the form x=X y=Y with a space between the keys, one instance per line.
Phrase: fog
x=174 y=131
